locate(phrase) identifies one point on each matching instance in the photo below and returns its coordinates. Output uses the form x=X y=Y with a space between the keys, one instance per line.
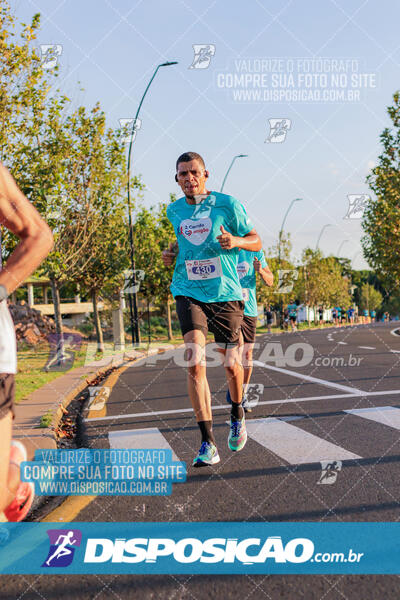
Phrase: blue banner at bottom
x=200 y=548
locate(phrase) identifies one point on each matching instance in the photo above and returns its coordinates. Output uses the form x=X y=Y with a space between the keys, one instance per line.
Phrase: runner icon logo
x=278 y=129
x=357 y=205
x=287 y=277
x=50 y=54
x=203 y=54
x=62 y=547
x=253 y=393
x=330 y=470
x=129 y=128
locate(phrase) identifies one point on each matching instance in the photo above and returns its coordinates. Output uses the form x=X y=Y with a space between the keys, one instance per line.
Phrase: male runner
x=249 y=264
x=210 y=228
x=36 y=240
x=292 y=310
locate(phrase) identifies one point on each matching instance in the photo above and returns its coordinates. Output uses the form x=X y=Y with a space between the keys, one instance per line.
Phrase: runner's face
x=191 y=177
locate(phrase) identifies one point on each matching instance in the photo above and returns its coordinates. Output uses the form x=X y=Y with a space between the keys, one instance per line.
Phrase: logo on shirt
x=196 y=232
x=242 y=269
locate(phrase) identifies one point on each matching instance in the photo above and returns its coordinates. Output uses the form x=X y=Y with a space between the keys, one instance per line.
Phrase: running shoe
x=22 y=503
x=208 y=455
x=246 y=404
x=237 y=435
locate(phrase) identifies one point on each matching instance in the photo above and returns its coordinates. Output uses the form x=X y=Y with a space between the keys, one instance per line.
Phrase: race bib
x=207 y=268
x=245 y=294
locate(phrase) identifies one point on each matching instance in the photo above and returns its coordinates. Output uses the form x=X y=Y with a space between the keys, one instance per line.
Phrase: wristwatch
x=3 y=292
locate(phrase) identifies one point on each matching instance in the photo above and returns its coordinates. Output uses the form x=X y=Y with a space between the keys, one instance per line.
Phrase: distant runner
x=249 y=264
x=36 y=240
x=269 y=317
x=292 y=310
x=210 y=228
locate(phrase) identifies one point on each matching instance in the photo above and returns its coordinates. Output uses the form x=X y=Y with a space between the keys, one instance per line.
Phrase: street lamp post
x=133 y=310
x=340 y=246
x=282 y=226
x=279 y=244
x=321 y=232
x=230 y=167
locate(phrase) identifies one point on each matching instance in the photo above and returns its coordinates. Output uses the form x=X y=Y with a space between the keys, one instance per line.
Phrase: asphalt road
x=317 y=399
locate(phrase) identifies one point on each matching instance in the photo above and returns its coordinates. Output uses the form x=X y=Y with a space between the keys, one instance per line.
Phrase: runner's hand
x=226 y=239
x=257 y=265
x=168 y=256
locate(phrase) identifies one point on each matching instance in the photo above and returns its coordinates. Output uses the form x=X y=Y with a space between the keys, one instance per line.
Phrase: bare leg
x=199 y=391
x=247 y=362
x=9 y=473
x=234 y=373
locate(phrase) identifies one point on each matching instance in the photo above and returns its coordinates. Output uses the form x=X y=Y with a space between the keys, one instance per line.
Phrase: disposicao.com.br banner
x=200 y=548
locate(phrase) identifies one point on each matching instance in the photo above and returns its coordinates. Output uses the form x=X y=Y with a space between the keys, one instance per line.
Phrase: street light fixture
x=133 y=310
x=279 y=245
x=321 y=232
x=230 y=167
x=283 y=224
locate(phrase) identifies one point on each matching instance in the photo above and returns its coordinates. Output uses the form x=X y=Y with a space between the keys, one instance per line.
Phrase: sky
x=301 y=87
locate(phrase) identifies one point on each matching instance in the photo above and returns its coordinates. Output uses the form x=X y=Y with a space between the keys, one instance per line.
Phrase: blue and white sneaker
x=208 y=455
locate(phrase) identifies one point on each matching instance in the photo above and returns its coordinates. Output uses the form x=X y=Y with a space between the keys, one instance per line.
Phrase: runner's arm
x=267 y=276
x=251 y=241
x=168 y=256
x=36 y=240
x=263 y=269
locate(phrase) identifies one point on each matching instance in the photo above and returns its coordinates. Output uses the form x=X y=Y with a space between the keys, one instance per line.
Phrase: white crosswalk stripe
x=387 y=415
x=148 y=438
x=292 y=444
x=280 y=435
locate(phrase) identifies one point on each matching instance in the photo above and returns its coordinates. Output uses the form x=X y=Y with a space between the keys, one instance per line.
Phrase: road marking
x=343 y=343
x=293 y=444
x=323 y=382
x=224 y=406
x=68 y=510
x=148 y=438
x=387 y=415
x=367 y=347
x=395 y=351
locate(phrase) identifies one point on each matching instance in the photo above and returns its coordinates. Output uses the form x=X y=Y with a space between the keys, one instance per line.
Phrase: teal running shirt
x=247 y=276
x=203 y=270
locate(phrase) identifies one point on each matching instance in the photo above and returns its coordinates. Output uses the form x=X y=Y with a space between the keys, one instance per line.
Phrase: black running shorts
x=249 y=325
x=223 y=319
x=7 y=389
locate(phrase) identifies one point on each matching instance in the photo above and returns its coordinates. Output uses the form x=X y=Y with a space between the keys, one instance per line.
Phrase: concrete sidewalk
x=59 y=393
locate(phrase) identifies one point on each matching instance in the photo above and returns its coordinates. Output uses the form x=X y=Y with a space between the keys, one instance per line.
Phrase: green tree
x=101 y=266
x=153 y=234
x=370 y=298
x=381 y=219
x=285 y=273
x=321 y=282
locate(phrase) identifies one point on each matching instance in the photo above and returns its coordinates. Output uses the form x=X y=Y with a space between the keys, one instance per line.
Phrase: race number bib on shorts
x=245 y=294
x=207 y=268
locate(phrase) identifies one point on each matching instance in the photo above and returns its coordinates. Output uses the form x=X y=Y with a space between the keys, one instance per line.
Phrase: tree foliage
x=381 y=219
